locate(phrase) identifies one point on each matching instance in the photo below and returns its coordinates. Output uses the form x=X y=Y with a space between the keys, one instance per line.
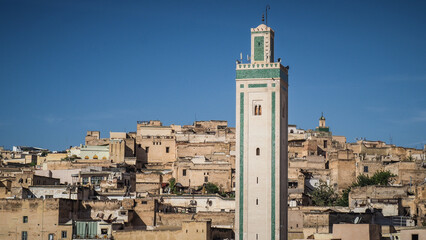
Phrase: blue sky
x=71 y=66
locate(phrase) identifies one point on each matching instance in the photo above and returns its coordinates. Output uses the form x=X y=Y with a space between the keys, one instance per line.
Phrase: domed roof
x=322 y=117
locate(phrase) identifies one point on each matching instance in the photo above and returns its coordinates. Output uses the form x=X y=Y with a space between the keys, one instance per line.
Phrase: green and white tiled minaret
x=262 y=94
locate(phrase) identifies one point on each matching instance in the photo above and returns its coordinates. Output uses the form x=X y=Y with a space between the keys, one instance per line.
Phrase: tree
x=172 y=185
x=211 y=188
x=324 y=195
x=383 y=178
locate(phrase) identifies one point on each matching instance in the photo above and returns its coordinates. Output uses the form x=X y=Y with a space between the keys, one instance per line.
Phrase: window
x=50 y=236
x=365 y=168
x=96 y=180
x=257 y=201
x=25 y=219
x=257 y=151
x=64 y=234
x=85 y=180
x=325 y=143
x=24 y=235
x=257 y=110
x=257 y=236
x=48 y=196
x=415 y=237
x=257 y=179
x=206 y=179
x=104 y=231
x=167 y=149
x=146 y=149
x=144 y=202
x=184 y=172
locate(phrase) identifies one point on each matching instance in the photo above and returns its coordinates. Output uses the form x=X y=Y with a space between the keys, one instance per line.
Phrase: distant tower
x=261 y=191
x=321 y=127
x=322 y=121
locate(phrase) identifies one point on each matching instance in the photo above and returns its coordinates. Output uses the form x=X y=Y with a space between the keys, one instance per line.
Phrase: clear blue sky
x=71 y=66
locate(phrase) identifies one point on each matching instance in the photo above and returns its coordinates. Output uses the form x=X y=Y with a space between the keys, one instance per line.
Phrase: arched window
x=257 y=151
x=257 y=110
x=291 y=131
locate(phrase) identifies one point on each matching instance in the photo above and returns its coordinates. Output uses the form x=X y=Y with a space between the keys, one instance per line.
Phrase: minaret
x=261 y=163
x=322 y=121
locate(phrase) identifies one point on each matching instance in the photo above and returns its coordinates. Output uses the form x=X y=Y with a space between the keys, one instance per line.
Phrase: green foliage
x=72 y=158
x=324 y=195
x=172 y=185
x=44 y=153
x=211 y=188
x=32 y=164
x=379 y=178
x=362 y=181
x=343 y=200
x=382 y=178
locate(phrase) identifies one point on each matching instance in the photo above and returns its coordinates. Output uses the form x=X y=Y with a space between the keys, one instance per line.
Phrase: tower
x=322 y=121
x=261 y=163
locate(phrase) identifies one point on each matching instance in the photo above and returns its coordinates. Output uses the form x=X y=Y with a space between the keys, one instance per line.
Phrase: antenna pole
x=266 y=13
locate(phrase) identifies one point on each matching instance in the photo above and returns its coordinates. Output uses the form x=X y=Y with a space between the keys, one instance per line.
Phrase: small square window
x=206 y=179
x=366 y=169
x=184 y=172
x=25 y=219
x=167 y=149
x=104 y=231
x=64 y=234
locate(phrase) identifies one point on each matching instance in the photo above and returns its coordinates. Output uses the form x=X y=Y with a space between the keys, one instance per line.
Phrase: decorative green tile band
x=241 y=216
x=261 y=73
x=257 y=85
x=273 y=169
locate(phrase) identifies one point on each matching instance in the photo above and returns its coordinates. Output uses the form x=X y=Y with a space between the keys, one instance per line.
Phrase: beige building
x=190 y=230
x=388 y=199
x=37 y=218
x=261 y=144
x=357 y=231
x=195 y=172
x=149 y=182
x=343 y=169
x=157 y=143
